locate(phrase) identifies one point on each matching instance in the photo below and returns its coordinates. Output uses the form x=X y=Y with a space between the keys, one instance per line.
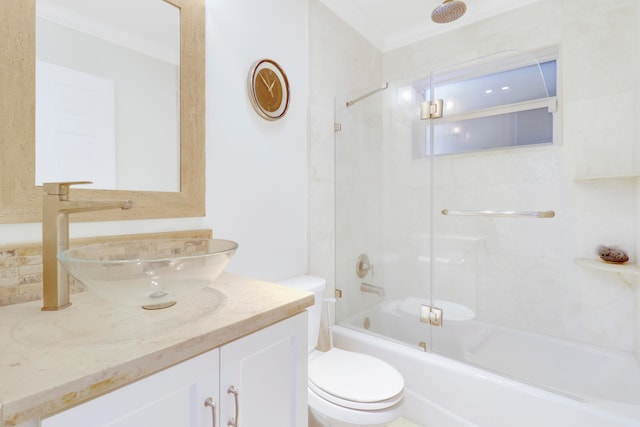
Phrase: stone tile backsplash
x=20 y=274
x=21 y=265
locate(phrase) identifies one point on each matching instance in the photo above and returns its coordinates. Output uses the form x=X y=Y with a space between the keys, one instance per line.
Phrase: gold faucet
x=56 y=208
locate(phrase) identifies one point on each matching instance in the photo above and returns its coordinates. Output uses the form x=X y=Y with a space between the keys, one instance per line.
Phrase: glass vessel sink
x=152 y=274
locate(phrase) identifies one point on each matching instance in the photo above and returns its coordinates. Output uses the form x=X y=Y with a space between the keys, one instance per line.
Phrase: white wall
x=256 y=169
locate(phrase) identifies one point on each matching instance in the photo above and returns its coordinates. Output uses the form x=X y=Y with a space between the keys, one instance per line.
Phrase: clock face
x=269 y=89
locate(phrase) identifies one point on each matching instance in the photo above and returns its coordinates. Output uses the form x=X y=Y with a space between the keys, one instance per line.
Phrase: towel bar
x=515 y=214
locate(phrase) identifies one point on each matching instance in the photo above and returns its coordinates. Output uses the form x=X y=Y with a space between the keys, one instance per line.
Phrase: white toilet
x=346 y=388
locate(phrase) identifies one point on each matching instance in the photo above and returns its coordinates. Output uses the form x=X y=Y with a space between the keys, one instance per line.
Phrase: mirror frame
x=21 y=199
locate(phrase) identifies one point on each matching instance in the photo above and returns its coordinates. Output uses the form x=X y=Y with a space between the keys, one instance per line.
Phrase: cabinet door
x=171 y=398
x=269 y=370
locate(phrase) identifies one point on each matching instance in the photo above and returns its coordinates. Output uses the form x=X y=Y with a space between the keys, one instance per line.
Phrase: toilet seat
x=355 y=381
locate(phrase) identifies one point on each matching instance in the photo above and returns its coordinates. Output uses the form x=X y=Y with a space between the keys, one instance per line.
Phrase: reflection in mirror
x=108 y=93
x=21 y=199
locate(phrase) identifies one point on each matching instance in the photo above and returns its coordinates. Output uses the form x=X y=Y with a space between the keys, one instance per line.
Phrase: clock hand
x=269 y=86
x=265 y=82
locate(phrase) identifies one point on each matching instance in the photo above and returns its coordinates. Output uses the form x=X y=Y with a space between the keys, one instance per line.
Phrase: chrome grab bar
x=514 y=214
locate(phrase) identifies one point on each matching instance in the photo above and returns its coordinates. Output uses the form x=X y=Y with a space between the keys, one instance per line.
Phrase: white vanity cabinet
x=267 y=370
x=171 y=398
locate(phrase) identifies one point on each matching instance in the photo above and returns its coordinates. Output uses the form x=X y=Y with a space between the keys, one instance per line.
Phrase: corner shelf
x=596 y=264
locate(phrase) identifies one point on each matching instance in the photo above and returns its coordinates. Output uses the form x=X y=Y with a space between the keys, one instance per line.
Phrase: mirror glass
x=108 y=93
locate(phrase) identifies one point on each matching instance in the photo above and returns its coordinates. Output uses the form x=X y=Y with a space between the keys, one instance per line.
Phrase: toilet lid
x=355 y=380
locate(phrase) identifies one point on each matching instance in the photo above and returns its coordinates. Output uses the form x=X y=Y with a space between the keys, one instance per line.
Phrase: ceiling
x=389 y=24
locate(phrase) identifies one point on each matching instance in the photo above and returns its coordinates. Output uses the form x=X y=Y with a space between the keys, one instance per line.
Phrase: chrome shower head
x=448 y=11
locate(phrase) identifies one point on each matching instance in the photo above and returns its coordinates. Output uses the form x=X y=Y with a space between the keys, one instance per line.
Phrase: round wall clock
x=269 y=89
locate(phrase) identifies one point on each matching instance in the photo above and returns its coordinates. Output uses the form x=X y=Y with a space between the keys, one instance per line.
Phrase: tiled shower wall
x=21 y=265
x=561 y=298
x=526 y=277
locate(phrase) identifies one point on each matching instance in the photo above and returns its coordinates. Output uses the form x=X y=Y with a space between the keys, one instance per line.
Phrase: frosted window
x=497 y=89
x=509 y=108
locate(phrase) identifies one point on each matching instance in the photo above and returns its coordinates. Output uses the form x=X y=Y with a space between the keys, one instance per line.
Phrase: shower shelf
x=596 y=264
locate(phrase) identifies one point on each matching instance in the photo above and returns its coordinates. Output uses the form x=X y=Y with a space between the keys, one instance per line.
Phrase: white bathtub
x=442 y=392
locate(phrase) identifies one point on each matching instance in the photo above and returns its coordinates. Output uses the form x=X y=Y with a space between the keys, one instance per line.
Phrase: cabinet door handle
x=211 y=404
x=234 y=422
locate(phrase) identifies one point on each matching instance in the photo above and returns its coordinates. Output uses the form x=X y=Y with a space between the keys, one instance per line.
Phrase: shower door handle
x=513 y=214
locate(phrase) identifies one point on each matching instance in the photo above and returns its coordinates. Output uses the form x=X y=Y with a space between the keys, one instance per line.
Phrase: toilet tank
x=316 y=285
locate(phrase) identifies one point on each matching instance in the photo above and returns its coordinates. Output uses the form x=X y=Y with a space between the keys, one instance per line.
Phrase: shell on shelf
x=612 y=254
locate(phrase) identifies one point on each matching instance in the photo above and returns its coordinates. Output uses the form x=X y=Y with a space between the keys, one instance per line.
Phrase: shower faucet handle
x=363 y=266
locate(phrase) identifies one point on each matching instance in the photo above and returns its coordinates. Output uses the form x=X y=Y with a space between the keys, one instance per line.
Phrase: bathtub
x=587 y=386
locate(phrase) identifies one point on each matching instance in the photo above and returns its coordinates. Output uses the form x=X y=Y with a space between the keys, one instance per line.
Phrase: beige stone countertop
x=50 y=361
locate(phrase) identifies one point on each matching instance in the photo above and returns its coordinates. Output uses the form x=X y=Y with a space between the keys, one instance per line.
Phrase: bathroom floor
x=403 y=423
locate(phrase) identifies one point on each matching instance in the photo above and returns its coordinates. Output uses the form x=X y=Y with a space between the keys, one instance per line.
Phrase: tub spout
x=372 y=289
x=56 y=208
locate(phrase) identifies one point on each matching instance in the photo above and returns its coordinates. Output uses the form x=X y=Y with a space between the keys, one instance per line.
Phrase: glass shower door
x=498 y=249
x=466 y=223
x=382 y=192
x=358 y=202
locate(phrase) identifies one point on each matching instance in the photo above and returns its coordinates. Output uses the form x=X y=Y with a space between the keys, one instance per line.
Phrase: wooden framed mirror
x=21 y=199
